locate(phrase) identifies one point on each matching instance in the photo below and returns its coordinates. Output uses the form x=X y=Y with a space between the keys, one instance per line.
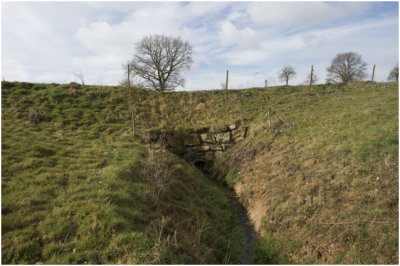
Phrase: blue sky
x=50 y=41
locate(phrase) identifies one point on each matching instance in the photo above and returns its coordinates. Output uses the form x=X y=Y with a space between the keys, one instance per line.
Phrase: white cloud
x=46 y=42
x=375 y=40
x=303 y=13
x=246 y=37
x=104 y=37
x=170 y=18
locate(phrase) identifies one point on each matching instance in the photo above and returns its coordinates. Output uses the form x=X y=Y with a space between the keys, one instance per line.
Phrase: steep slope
x=321 y=184
x=78 y=188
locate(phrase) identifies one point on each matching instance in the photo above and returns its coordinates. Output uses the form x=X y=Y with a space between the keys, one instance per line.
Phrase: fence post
x=373 y=73
x=266 y=83
x=226 y=83
x=311 y=73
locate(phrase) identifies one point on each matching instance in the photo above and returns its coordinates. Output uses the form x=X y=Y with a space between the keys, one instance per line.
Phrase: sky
x=53 y=41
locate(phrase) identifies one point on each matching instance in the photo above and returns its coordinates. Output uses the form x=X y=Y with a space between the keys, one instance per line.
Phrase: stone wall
x=208 y=144
x=202 y=146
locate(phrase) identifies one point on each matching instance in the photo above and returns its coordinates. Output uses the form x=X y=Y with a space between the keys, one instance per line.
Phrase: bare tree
x=160 y=60
x=286 y=73
x=80 y=76
x=123 y=82
x=346 y=68
x=394 y=74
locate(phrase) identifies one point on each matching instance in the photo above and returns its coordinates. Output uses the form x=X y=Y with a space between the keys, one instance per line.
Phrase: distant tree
x=394 y=74
x=80 y=76
x=346 y=68
x=286 y=73
x=160 y=60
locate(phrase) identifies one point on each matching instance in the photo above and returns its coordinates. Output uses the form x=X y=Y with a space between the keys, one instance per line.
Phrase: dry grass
x=322 y=183
x=329 y=178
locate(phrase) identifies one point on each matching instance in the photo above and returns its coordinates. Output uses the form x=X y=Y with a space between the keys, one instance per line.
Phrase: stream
x=241 y=213
x=244 y=223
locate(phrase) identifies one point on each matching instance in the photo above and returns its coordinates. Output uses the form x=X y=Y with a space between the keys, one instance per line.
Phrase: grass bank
x=70 y=166
x=321 y=183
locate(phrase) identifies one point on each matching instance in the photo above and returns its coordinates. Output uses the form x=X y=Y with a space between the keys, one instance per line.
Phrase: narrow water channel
x=248 y=229
x=241 y=214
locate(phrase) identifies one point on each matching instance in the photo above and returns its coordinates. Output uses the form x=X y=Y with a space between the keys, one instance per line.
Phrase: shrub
x=157 y=174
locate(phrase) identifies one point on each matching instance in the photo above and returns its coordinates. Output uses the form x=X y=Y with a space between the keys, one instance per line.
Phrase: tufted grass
x=68 y=158
x=79 y=171
x=328 y=176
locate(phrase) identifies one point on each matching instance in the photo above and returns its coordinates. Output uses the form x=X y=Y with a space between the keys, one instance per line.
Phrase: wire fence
x=111 y=75
x=114 y=76
x=111 y=78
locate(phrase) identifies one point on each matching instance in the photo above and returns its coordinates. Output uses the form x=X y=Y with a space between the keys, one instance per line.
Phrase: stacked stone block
x=203 y=145
x=208 y=144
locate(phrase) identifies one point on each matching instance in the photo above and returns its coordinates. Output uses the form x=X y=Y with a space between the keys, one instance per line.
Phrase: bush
x=157 y=174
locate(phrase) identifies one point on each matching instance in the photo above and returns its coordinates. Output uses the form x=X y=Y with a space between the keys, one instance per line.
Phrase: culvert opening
x=200 y=164
x=204 y=166
x=201 y=148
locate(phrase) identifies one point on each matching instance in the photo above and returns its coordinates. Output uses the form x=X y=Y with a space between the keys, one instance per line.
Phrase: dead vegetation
x=157 y=174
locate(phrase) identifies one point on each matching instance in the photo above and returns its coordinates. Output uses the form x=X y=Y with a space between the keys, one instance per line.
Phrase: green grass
x=335 y=154
x=329 y=173
x=268 y=250
x=78 y=170
x=232 y=178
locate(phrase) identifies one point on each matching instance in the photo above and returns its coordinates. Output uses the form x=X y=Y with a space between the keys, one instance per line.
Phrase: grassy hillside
x=320 y=185
x=71 y=167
